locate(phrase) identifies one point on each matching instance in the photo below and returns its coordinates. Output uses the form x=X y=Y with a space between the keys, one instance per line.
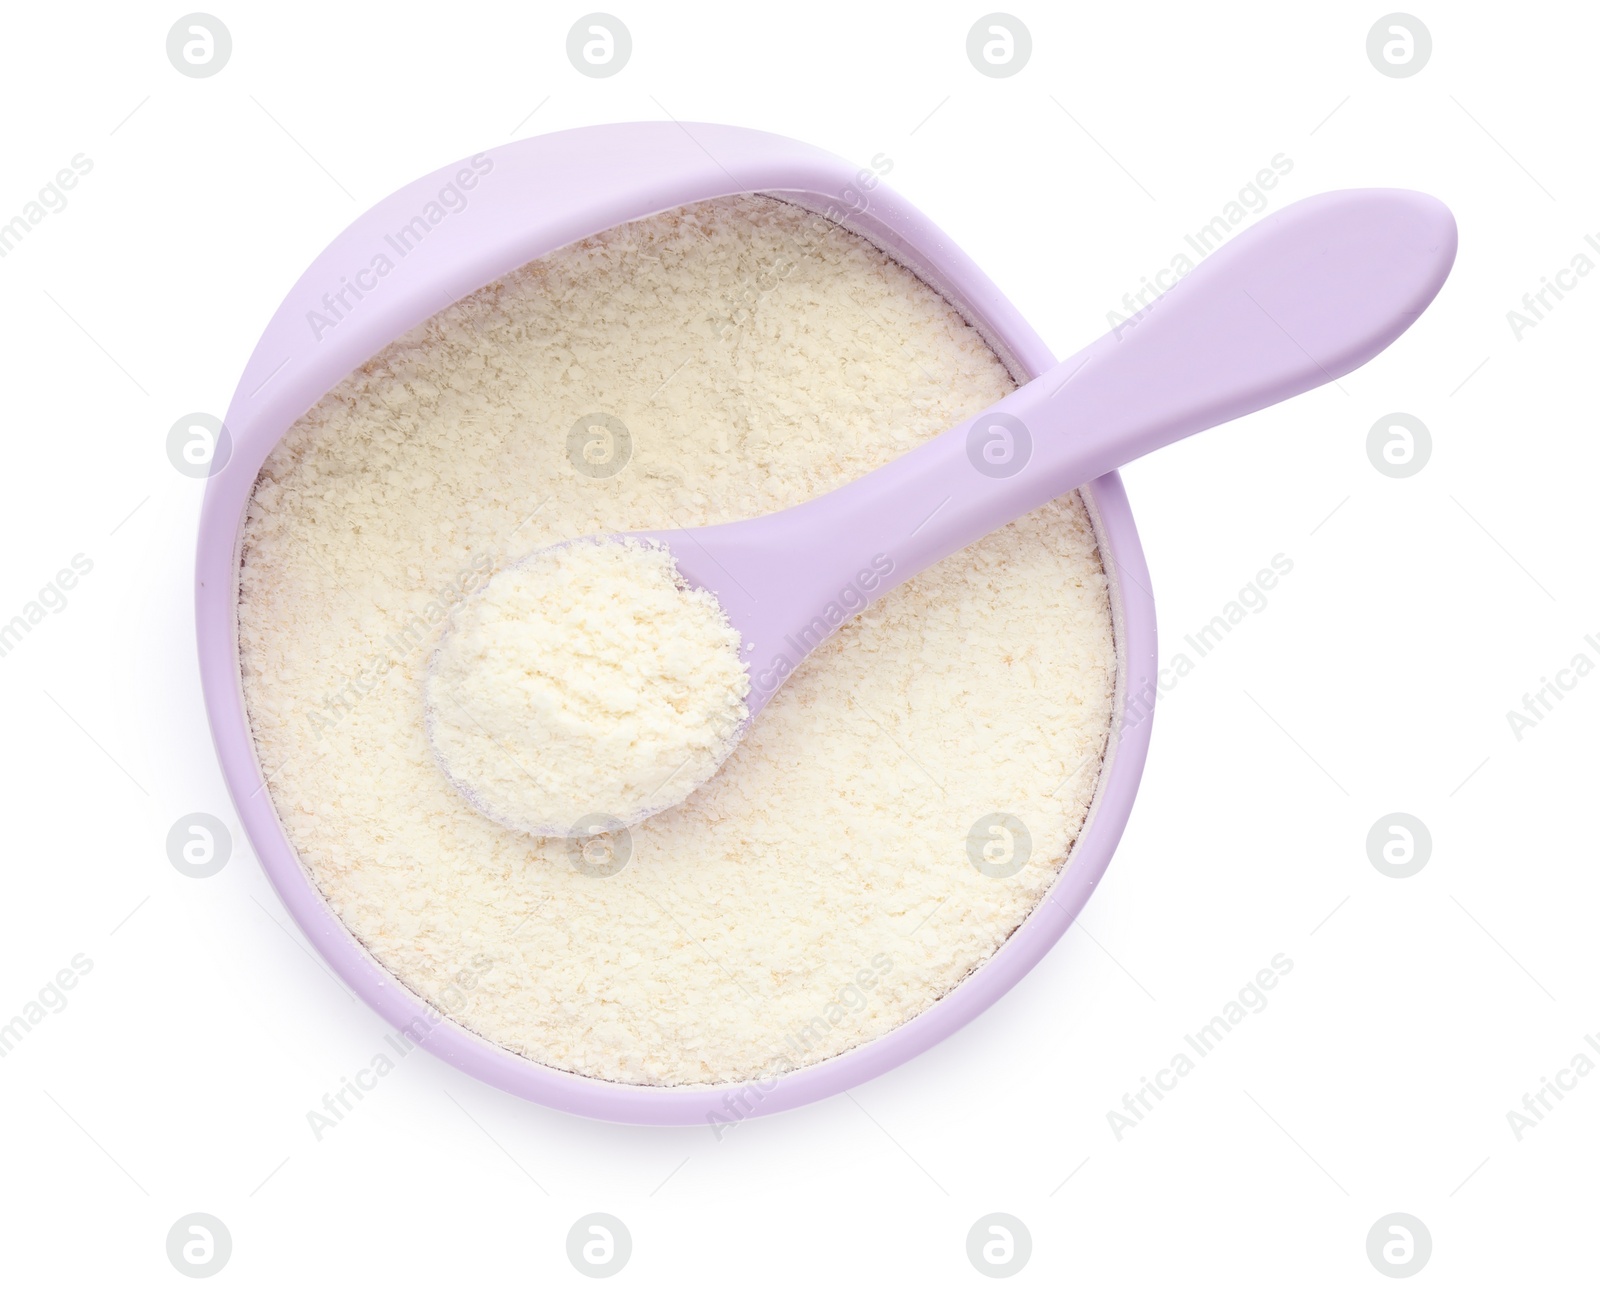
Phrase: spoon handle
x=1298 y=300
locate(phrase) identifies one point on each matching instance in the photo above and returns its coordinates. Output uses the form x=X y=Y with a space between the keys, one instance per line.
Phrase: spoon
x=1298 y=300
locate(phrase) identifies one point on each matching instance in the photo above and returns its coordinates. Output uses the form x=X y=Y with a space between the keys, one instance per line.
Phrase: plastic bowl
x=526 y=200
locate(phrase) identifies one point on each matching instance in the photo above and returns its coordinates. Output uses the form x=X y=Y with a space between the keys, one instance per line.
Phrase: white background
x=1419 y=611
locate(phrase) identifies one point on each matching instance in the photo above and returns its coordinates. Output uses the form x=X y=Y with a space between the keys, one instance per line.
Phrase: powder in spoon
x=586 y=686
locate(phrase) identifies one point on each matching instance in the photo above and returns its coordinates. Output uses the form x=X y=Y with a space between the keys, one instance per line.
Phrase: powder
x=587 y=685
x=822 y=888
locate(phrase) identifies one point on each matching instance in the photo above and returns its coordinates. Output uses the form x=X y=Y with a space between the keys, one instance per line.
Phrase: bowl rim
x=526 y=199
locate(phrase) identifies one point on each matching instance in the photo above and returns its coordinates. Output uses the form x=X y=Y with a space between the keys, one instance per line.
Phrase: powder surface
x=821 y=889
x=587 y=686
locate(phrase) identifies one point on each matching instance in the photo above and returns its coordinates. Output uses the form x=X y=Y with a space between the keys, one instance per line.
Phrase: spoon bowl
x=1295 y=302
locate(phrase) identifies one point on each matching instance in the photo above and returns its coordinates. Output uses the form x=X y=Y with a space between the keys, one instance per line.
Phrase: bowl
x=445 y=236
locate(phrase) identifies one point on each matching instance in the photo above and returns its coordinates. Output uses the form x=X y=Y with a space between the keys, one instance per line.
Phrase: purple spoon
x=1300 y=299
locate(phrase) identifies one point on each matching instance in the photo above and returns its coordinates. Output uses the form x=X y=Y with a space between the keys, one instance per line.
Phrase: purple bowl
x=512 y=205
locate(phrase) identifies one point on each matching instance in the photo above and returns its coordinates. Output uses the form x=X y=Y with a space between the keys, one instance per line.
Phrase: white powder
x=819 y=890
x=587 y=682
